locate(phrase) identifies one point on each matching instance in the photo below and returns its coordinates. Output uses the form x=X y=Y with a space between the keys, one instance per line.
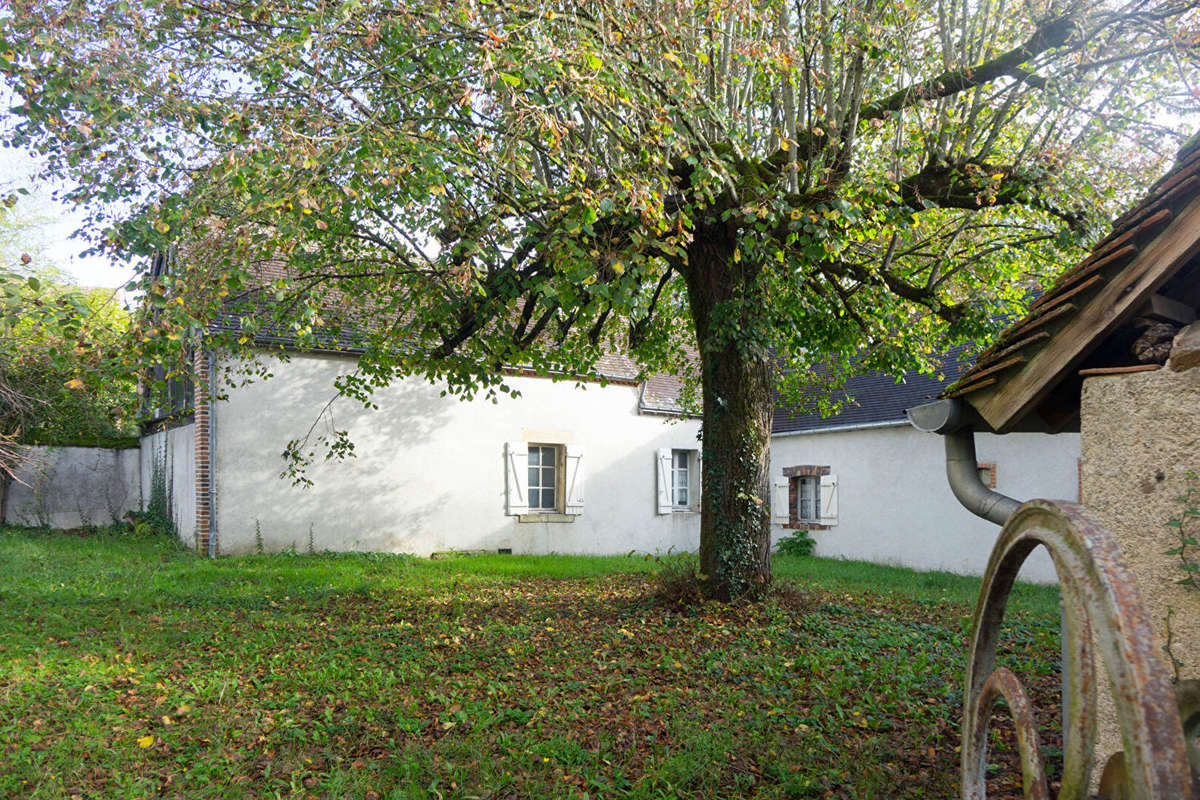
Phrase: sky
x=55 y=223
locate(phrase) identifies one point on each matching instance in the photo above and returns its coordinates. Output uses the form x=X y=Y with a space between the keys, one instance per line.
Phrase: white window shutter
x=697 y=482
x=662 y=468
x=780 y=513
x=829 y=500
x=574 y=479
x=516 y=476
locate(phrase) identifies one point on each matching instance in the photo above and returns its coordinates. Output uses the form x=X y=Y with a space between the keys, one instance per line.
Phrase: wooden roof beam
x=1113 y=304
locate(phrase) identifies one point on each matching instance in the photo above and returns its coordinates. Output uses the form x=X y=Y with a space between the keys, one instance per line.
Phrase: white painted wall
x=895 y=505
x=175 y=450
x=68 y=487
x=429 y=471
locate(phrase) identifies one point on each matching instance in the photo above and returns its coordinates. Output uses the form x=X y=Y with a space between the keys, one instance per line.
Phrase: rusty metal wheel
x=1101 y=604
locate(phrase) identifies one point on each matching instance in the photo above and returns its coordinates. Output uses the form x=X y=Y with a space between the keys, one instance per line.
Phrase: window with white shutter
x=827 y=507
x=677 y=480
x=543 y=482
x=516 y=478
x=811 y=497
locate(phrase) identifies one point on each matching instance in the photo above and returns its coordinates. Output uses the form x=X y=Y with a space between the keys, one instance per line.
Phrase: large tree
x=479 y=183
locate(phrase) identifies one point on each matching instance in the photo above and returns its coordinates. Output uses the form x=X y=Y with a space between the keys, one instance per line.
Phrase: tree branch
x=1050 y=35
x=973 y=185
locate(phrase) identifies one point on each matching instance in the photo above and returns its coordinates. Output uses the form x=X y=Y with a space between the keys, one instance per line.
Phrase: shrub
x=798 y=544
x=677 y=583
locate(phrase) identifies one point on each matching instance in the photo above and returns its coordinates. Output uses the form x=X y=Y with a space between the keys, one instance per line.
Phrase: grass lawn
x=131 y=668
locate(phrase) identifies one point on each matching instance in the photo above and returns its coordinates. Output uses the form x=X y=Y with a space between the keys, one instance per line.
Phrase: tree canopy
x=479 y=184
x=64 y=374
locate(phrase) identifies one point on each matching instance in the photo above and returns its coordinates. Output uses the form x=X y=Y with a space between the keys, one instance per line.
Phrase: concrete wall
x=173 y=451
x=1141 y=435
x=429 y=471
x=70 y=487
x=895 y=505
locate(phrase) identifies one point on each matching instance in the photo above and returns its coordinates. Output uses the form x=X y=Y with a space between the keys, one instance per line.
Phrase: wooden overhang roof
x=1145 y=269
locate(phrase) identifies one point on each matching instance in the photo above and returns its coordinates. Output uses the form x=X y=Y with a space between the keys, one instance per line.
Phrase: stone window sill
x=546 y=517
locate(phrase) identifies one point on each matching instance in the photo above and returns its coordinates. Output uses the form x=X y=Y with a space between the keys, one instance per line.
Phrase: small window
x=543 y=480
x=809 y=499
x=543 y=477
x=806 y=496
x=681 y=478
x=678 y=480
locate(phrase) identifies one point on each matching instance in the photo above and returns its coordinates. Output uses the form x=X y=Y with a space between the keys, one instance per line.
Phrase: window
x=680 y=480
x=543 y=478
x=543 y=481
x=810 y=499
x=806 y=497
x=677 y=476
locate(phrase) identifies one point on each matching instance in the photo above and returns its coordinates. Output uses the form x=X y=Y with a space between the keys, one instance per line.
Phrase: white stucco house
x=598 y=465
x=869 y=486
x=602 y=465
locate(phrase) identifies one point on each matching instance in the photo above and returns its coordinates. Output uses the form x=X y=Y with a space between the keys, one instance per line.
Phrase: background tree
x=64 y=377
x=477 y=184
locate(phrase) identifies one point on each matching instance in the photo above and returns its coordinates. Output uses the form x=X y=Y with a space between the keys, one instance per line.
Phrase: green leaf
x=510 y=79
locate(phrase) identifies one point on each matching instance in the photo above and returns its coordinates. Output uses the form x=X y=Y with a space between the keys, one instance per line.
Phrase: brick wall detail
x=990 y=467
x=203 y=450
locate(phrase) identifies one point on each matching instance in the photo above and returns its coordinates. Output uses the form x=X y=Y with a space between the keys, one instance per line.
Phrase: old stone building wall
x=1140 y=437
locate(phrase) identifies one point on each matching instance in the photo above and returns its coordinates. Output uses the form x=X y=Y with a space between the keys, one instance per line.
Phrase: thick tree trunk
x=735 y=522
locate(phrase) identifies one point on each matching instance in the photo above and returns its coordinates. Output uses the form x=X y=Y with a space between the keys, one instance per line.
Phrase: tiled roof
x=662 y=393
x=343 y=340
x=616 y=366
x=877 y=398
x=350 y=340
x=1131 y=232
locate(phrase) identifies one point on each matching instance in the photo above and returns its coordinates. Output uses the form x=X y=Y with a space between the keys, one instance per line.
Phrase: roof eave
x=1006 y=403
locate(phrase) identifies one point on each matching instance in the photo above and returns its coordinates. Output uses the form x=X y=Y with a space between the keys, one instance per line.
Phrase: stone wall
x=171 y=453
x=72 y=487
x=1140 y=437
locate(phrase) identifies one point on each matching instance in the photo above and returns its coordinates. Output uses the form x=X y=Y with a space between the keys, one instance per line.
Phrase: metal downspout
x=948 y=418
x=962 y=470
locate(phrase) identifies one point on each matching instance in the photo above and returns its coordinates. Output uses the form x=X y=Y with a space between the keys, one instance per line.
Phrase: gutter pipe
x=953 y=421
x=962 y=470
x=852 y=426
x=948 y=418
